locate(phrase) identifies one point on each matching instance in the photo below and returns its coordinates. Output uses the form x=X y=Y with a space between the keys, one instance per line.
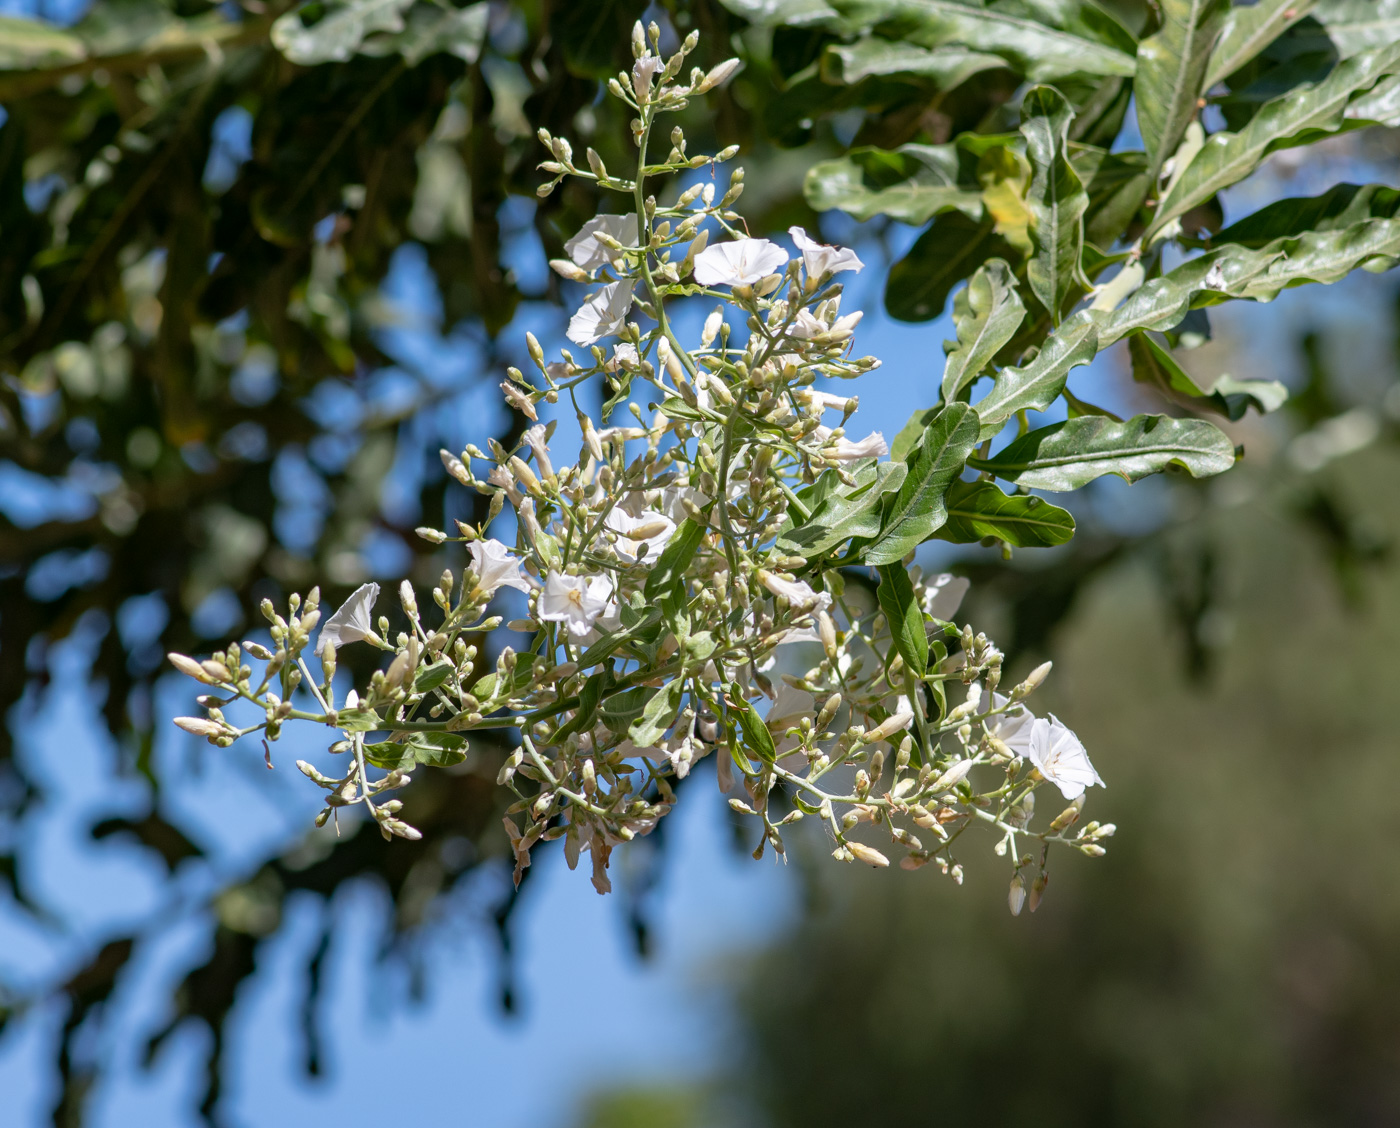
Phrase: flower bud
x=200 y=726
x=1016 y=895
x=952 y=777
x=432 y=536
x=191 y=668
x=888 y=727
x=867 y=854
x=1032 y=682
x=716 y=76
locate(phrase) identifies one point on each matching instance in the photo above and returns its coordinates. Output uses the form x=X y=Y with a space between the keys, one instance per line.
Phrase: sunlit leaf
x=1057 y=199
x=987 y=313
x=1038 y=383
x=1171 y=69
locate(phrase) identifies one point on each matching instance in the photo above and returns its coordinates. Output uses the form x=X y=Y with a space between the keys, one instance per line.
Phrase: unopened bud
x=867 y=854
x=1032 y=682
x=1016 y=895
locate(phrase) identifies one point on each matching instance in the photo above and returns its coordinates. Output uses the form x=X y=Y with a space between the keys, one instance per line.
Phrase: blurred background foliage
x=210 y=254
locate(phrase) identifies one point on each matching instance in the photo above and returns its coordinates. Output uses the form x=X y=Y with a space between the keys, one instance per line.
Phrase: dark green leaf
x=1152 y=364
x=430 y=677
x=987 y=313
x=919 y=284
x=1036 y=385
x=979 y=509
x=588 y=698
x=912 y=183
x=433 y=749
x=610 y=643
x=1069 y=455
x=1057 y=199
x=1116 y=184
x=620 y=710
x=1349 y=27
x=916 y=511
x=1171 y=68
x=906 y=620
x=1336 y=208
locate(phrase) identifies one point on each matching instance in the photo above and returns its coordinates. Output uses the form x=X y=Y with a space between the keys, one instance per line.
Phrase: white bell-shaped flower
x=820 y=259
x=495 y=567
x=1060 y=756
x=576 y=601
x=351 y=621
x=590 y=254
x=602 y=315
x=739 y=262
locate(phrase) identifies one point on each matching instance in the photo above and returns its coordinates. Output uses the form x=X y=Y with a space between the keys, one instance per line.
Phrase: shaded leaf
x=1069 y=455
x=918 y=285
x=28 y=44
x=1036 y=385
x=340 y=31
x=1117 y=185
x=1247 y=30
x=670 y=566
x=1338 y=207
x=1152 y=364
x=755 y=732
x=906 y=620
x=979 y=509
x=658 y=715
x=916 y=511
x=1057 y=199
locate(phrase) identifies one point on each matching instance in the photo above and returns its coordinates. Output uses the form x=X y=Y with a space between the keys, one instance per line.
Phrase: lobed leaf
x=1249 y=29
x=1171 y=69
x=1057 y=199
x=987 y=313
x=1072 y=454
x=1036 y=385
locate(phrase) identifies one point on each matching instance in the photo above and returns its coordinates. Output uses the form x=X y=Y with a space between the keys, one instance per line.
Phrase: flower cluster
x=698 y=581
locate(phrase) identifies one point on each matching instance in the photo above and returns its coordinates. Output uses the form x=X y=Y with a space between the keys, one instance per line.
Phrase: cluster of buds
x=698 y=579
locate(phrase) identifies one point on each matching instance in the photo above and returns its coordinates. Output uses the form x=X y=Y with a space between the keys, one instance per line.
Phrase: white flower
x=495 y=567
x=602 y=315
x=819 y=259
x=535 y=439
x=740 y=262
x=1061 y=758
x=797 y=592
x=943 y=595
x=650 y=528
x=575 y=601
x=590 y=254
x=807 y=325
x=824 y=400
x=351 y=621
x=1013 y=728
x=643 y=70
x=872 y=446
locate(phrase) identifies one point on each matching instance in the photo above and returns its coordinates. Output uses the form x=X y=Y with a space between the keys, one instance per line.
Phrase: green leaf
x=1152 y=364
x=987 y=313
x=1117 y=185
x=912 y=433
x=1057 y=199
x=901 y=608
x=755 y=732
x=658 y=715
x=1036 y=385
x=1030 y=41
x=30 y=45
x=339 y=33
x=1295 y=118
x=979 y=509
x=432 y=30
x=358 y=720
x=791 y=13
x=430 y=677
x=433 y=749
x=919 y=284
x=848 y=513
x=670 y=566
x=912 y=184
x=916 y=511
x=1069 y=455
x=1349 y=27
x=609 y=644
x=945 y=67
x=1247 y=30
x=619 y=711
x=1171 y=68
x=1338 y=207
x=589 y=697
x=1239 y=272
